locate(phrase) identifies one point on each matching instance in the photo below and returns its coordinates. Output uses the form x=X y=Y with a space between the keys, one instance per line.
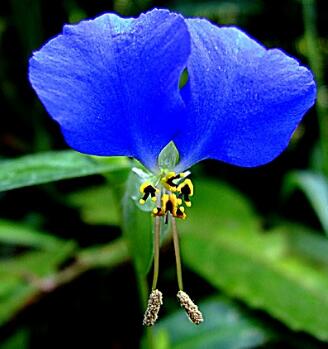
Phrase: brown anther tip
x=190 y=307
x=154 y=304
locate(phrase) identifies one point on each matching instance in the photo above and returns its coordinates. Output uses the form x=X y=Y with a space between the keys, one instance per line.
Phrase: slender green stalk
x=316 y=63
x=156 y=250
x=177 y=253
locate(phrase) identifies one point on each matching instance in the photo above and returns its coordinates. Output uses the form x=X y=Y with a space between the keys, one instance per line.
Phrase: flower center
x=170 y=194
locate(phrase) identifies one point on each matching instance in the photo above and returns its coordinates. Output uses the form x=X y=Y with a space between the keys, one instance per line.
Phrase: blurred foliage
x=228 y=326
x=254 y=244
x=263 y=270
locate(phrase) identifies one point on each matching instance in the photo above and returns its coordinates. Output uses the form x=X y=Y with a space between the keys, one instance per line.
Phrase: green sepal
x=169 y=157
x=137 y=227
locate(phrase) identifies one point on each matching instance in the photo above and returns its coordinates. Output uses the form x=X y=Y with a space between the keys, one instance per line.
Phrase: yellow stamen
x=143 y=186
x=186 y=189
x=147 y=189
x=168 y=181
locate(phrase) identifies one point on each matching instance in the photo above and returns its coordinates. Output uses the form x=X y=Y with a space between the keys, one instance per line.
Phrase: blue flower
x=113 y=86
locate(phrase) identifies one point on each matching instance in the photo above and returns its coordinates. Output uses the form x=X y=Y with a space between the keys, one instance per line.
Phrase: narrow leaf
x=22 y=274
x=108 y=255
x=315 y=188
x=19 y=234
x=38 y=263
x=19 y=339
x=305 y=242
x=98 y=205
x=53 y=166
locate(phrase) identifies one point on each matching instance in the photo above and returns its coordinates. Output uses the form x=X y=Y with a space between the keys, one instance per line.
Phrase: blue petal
x=243 y=101
x=112 y=83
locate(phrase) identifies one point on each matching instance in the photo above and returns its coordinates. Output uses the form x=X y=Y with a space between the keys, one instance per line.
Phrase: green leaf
x=19 y=277
x=24 y=278
x=226 y=326
x=305 y=242
x=168 y=158
x=38 y=263
x=53 y=166
x=19 y=234
x=232 y=253
x=224 y=206
x=225 y=12
x=315 y=187
x=98 y=205
x=104 y=255
x=19 y=297
x=18 y=340
x=137 y=228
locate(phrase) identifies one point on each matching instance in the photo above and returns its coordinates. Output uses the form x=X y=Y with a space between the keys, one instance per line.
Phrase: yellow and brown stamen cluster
x=147 y=190
x=171 y=193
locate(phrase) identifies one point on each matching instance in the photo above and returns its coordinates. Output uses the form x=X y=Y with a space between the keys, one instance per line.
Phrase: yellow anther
x=180 y=213
x=143 y=186
x=165 y=199
x=168 y=181
x=170 y=202
x=170 y=174
x=186 y=186
x=186 y=189
x=147 y=189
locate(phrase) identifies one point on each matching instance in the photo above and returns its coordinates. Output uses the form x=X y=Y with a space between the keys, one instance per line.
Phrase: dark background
x=100 y=309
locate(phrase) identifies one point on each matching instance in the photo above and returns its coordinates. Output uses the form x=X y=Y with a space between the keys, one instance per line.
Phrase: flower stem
x=177 y=253
x=157 y=231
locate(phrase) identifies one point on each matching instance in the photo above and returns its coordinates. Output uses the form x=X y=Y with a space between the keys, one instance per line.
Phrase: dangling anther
x=190 y=307
x=186 y=189
x=147 y=189
x=154 y=304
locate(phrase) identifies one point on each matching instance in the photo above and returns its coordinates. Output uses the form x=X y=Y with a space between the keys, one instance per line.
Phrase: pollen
x=154 y=304
x=190 y=307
